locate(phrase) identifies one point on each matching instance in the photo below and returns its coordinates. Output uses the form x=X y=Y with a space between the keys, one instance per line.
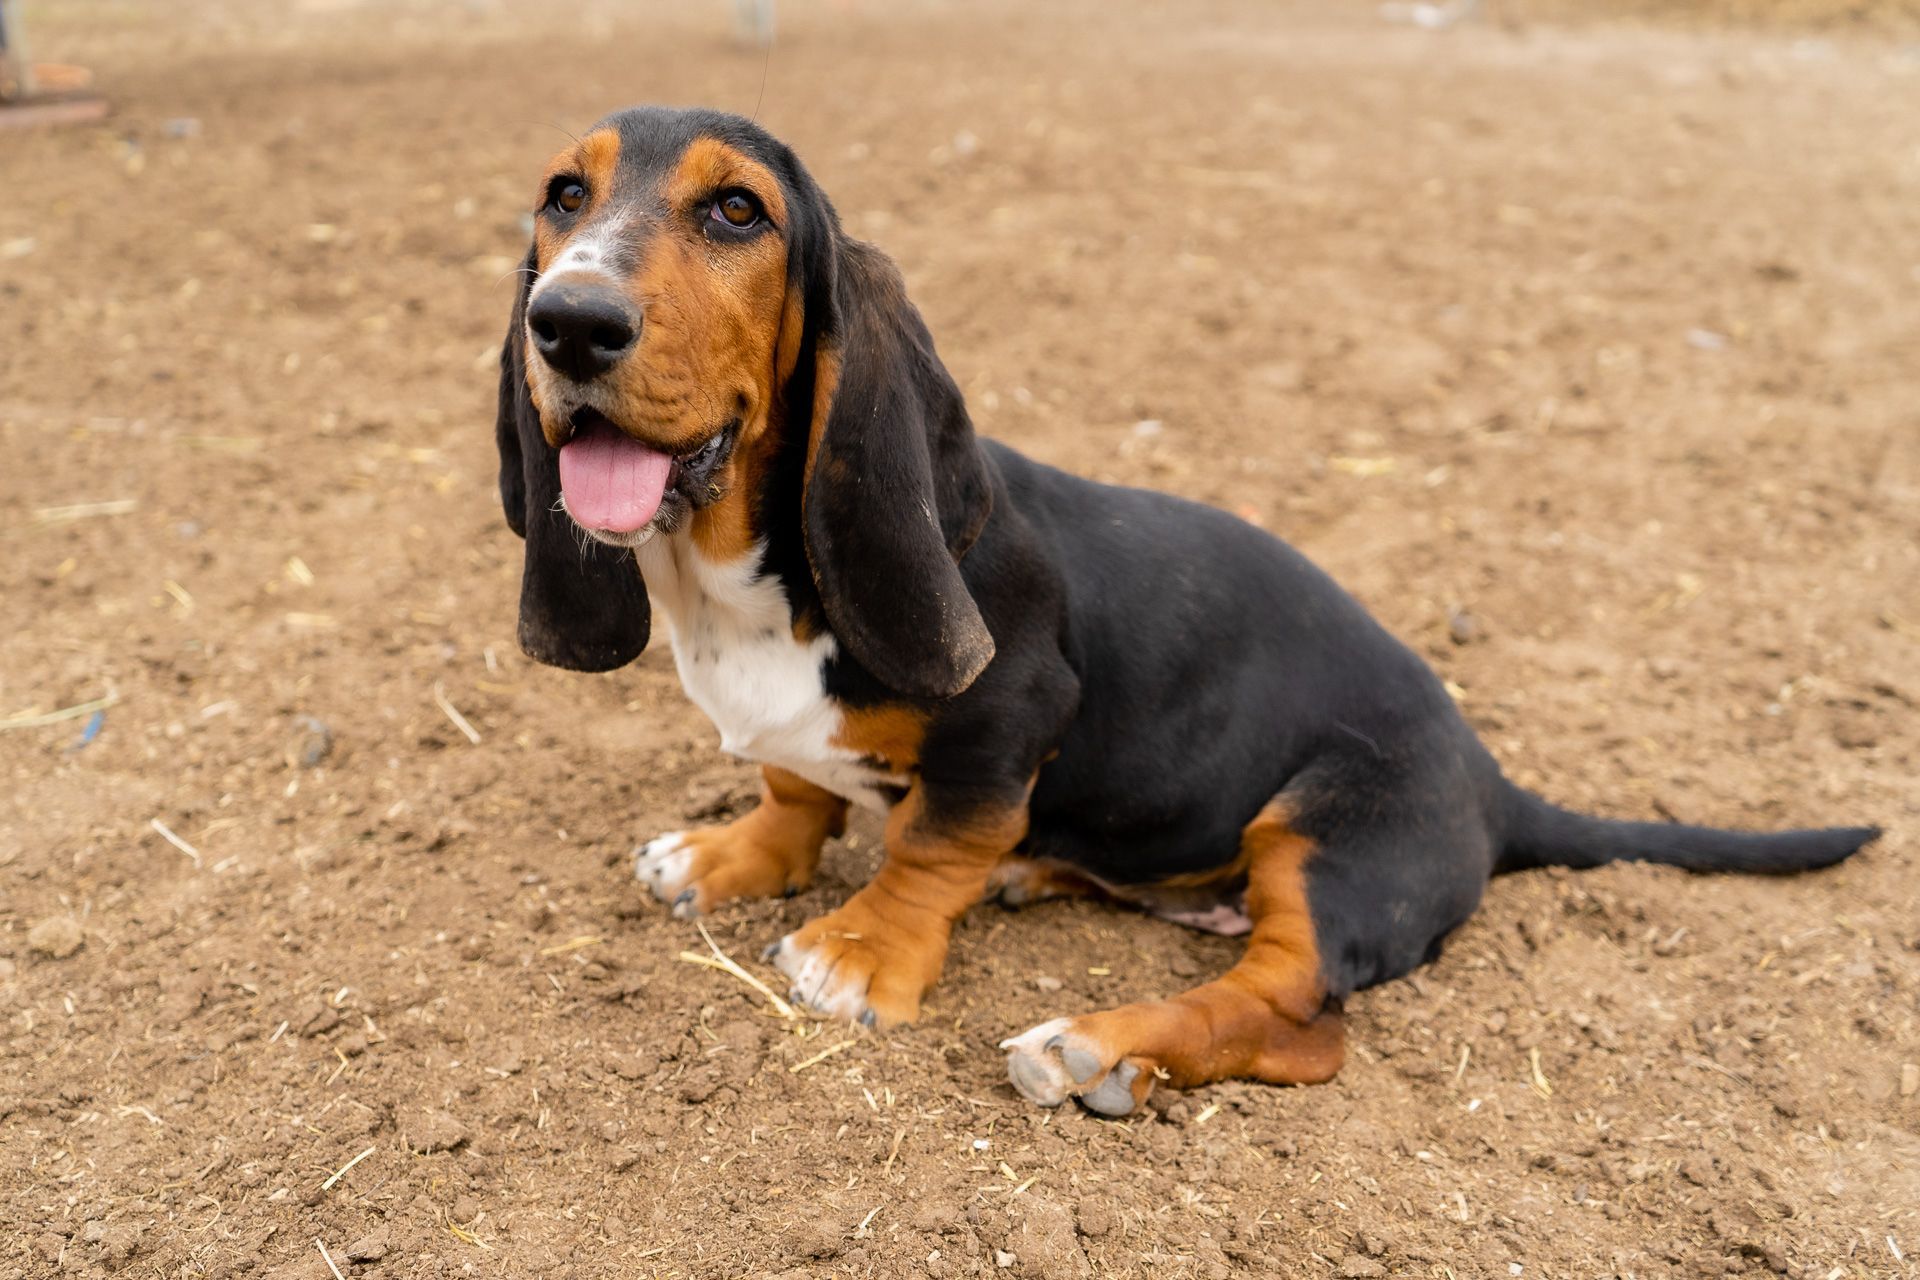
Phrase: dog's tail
x=1539 y=834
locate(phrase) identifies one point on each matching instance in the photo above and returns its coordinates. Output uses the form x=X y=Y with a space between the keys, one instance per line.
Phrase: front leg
x=769 y=851
x=871 y=960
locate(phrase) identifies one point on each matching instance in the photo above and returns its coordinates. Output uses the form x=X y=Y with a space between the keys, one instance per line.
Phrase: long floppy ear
x=897 y=488
x=582 y=603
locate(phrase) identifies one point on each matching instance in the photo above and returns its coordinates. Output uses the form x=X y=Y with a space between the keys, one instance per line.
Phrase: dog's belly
x=740 y=662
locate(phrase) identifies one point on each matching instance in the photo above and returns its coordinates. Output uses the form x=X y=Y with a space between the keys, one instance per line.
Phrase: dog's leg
x=1267 y=1017
x=1021 y=882
x=769 y=851
x=872 y=959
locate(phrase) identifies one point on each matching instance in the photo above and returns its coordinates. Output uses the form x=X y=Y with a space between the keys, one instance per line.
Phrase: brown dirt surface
x=1583 y=355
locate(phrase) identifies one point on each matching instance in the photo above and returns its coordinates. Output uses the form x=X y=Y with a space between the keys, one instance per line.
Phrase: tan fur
x=889 y=734
x=1266 y=1018
x=720 y=333
x=769 y=851
x=891 y=937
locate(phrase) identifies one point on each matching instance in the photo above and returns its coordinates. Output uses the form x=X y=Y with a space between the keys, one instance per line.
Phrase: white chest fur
x=740 y=662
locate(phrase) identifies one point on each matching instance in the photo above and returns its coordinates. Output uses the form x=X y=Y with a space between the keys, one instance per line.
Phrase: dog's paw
x=868 y=975
x=1056 y=1061
x=695 y=871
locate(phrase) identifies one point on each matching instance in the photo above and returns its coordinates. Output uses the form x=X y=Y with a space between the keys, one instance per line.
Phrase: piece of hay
x=29 y=720
x=341 y=1172
x=453 y=714
x=174 y=840
x=83 y=511
x=725 y=963
x=822 y=1056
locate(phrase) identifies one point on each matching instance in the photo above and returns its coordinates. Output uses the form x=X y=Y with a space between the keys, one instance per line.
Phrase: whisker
x=772 y=38
x=583 y=543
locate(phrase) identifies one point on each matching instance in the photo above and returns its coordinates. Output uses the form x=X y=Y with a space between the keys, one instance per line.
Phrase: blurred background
x=1576 y=338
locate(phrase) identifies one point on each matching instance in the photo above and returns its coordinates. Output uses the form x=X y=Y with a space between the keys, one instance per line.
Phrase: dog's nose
x=582 y=330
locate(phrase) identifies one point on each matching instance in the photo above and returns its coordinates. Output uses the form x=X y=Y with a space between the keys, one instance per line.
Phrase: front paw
x=696 y=871
x=861 y=970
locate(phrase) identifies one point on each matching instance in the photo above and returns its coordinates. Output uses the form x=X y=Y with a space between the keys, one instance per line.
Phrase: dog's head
x=694 y=337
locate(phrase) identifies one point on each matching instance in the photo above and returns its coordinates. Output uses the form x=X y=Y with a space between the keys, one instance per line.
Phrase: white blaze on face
x=590 y=252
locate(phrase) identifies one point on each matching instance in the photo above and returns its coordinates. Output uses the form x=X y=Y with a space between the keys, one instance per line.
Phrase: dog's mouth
x=614 y=484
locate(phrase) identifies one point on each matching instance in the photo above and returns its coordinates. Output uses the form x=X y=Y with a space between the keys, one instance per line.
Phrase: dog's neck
x=741 y=661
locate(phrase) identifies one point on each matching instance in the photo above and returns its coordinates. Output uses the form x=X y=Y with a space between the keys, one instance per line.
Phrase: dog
x=716 y=403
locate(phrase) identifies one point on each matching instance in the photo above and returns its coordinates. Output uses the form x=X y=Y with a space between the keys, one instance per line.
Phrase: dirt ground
x=1583 y=354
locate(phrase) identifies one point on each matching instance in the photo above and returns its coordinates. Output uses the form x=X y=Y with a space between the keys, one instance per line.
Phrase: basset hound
x=716 y=403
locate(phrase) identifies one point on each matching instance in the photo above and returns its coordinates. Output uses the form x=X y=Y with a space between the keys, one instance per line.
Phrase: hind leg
x=1020 y=882
x=1267 y=1018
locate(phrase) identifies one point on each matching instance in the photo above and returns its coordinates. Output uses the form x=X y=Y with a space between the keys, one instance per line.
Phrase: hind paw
x=1056 y=1061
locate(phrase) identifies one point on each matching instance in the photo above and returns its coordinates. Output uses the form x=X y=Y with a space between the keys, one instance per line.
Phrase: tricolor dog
x=717 y=405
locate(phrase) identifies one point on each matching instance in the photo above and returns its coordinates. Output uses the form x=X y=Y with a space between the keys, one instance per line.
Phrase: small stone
x=320 y=1020
x=369 y=1249
x=56 y=936
x=1463 y=628
x=1909 y=1079
x=623 y=1159
x=1856 y=731
x=630 y=1066
x=1004 y=1260
x=1094 y=1218
x=1047 y=984
x=431 y=1131
x=1183 y=965
x=316 y=742
x=1358 y=1266
x=466 y=1209
x=821 y=1241
x=112 y=1241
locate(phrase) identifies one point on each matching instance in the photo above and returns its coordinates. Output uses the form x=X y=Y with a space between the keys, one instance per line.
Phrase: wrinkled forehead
x=655 y=159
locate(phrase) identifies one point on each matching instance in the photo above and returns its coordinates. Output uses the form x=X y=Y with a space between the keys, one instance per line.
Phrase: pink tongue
x=612 y=481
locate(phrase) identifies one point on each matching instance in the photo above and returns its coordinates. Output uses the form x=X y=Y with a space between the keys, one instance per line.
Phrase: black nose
x=582 y=330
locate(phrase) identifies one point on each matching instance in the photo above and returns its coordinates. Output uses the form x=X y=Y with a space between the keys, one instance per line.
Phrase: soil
x=1583 y=354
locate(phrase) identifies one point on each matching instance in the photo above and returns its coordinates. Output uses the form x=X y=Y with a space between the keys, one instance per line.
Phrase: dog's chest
x=740 y=662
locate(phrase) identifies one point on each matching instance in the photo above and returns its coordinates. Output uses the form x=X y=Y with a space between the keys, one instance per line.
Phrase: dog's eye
x=738 y=209
x=566 y=195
